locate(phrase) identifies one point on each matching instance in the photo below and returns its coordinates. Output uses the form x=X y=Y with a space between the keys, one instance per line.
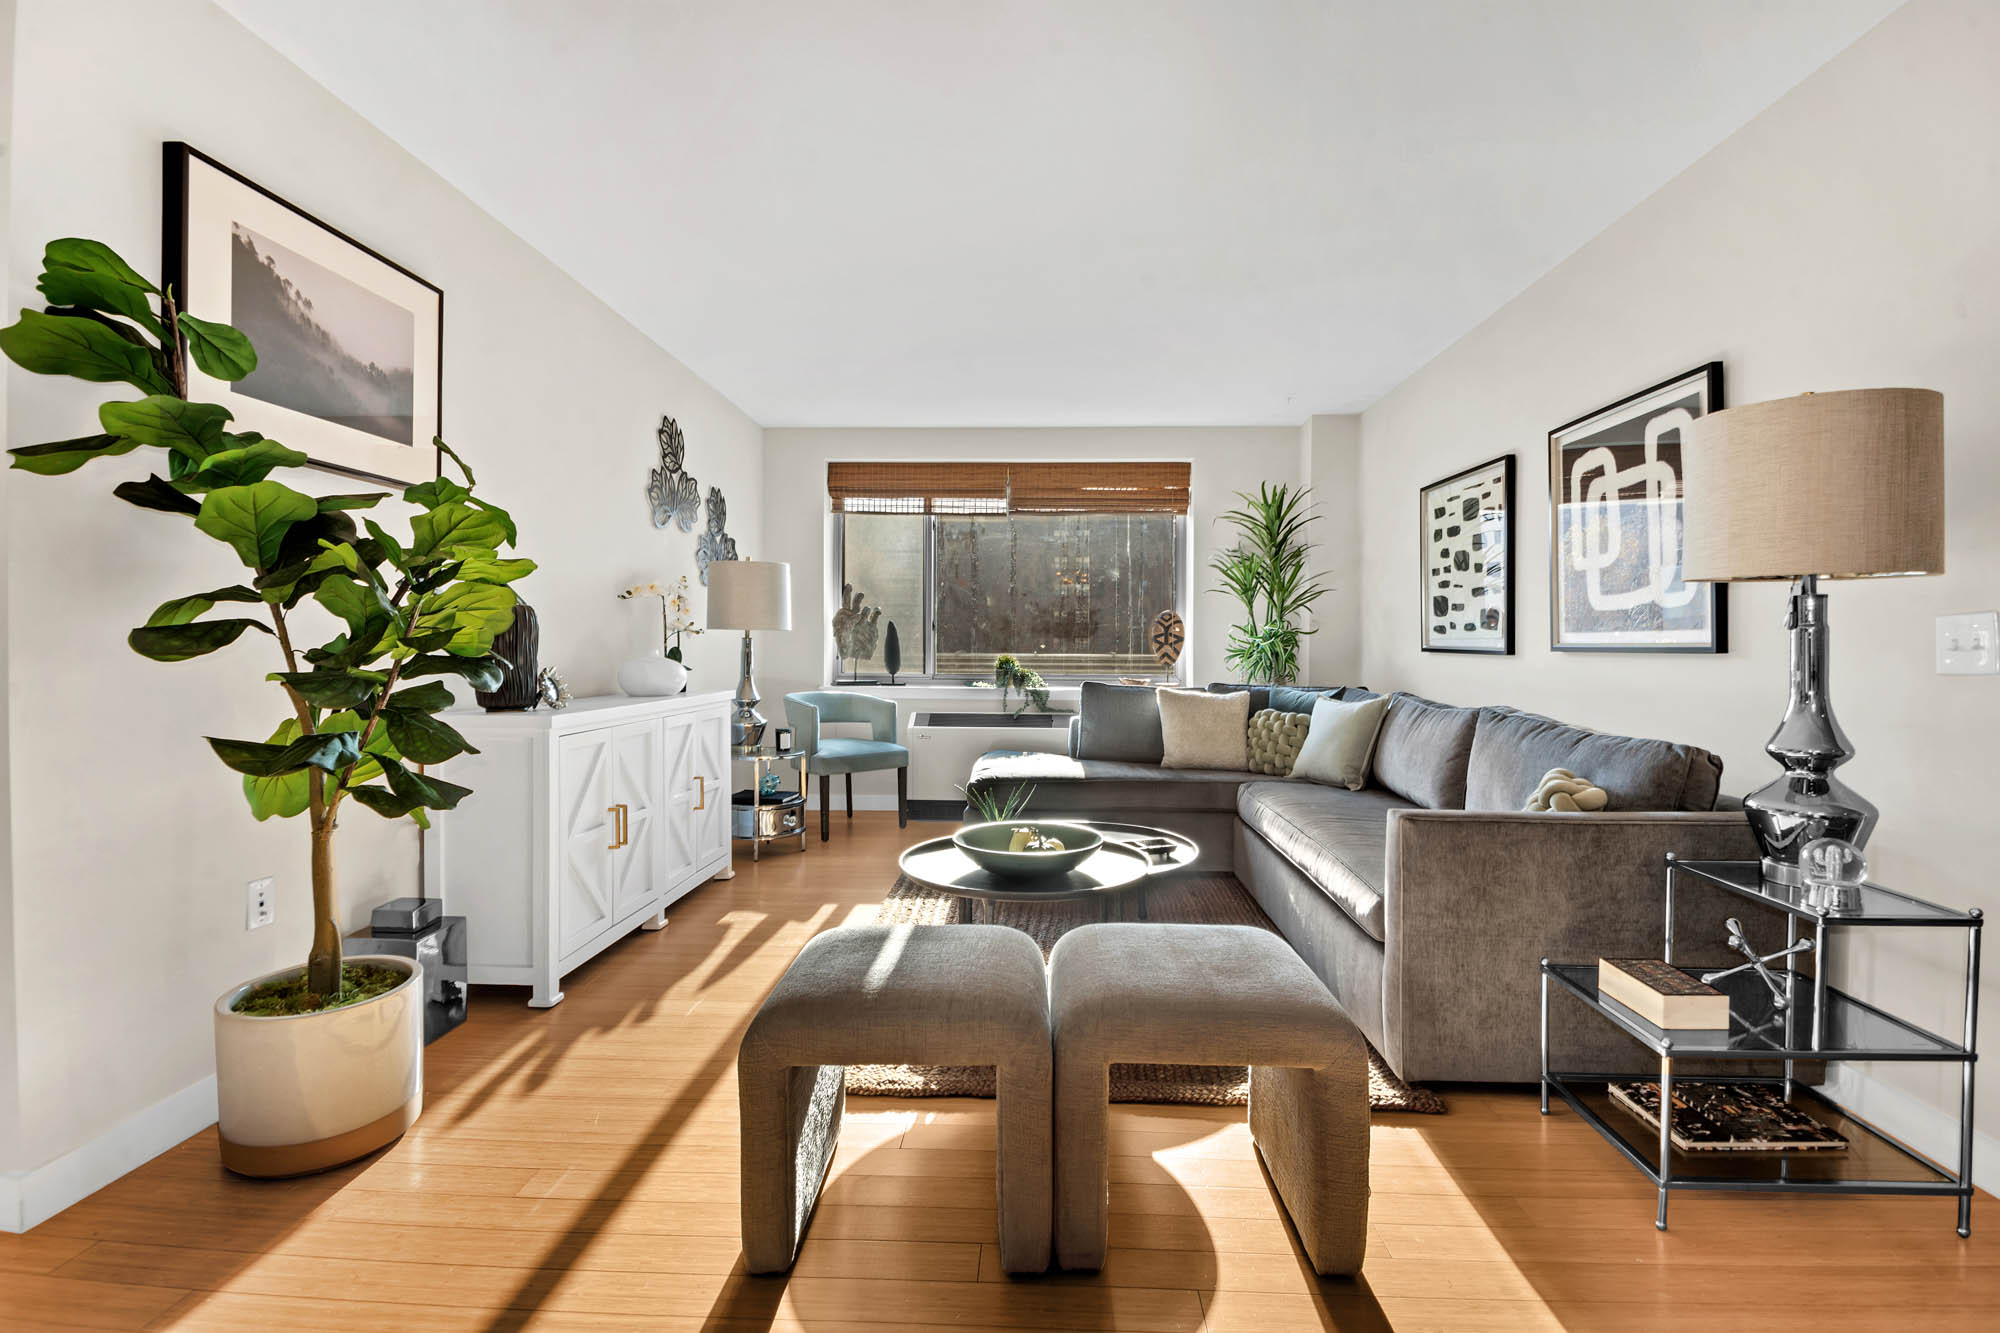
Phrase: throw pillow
x=1202 y=730
x=1565 y=793
x=1120 y=722
x=1340 y=741
x=1275 y=739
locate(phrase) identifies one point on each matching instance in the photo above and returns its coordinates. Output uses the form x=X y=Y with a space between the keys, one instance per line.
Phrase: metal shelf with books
x=1797 y=1017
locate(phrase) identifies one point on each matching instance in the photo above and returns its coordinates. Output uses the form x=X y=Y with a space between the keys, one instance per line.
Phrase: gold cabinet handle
x=701 y=784
x=624 y=825
x=617 y=829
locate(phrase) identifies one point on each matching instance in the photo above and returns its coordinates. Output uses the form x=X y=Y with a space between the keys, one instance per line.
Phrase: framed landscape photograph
x=349 y=344
x=1467 y=564
x=1615 y=539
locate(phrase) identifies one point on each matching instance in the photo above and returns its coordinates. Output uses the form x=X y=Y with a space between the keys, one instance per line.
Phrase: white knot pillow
x=1565 y=793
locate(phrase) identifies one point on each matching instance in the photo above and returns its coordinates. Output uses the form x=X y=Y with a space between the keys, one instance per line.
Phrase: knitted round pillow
x=1565 y=793
x=1275 y=739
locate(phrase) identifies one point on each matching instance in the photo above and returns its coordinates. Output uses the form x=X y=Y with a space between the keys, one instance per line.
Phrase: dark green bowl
x=986 y=844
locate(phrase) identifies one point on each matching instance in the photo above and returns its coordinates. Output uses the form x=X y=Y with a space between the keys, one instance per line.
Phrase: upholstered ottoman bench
x=1211 y=995
x=931 y=995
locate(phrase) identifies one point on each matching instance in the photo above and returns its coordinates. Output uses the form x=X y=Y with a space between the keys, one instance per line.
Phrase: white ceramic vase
x=304 y=1092
x=655 y=673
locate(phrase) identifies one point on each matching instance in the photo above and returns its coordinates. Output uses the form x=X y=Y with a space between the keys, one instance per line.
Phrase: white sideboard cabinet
x=583 y=825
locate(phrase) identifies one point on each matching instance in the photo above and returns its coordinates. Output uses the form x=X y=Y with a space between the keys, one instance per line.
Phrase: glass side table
x=768 y=818
x=1817 y=1022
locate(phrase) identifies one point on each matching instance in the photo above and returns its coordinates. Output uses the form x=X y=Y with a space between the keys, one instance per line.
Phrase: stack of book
x=1662 y=996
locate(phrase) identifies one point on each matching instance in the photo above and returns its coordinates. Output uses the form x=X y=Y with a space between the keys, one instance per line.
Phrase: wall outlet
x=257 y=908
x=1969 y=644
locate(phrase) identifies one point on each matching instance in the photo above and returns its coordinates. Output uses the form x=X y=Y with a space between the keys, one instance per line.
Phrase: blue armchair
x=840 y=754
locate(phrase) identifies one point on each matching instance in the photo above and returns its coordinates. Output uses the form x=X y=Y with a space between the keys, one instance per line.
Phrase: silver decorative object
x=1834 y=873
x=663 y=483
x=1781 y=996
x=718 y=510
x=686 y=501
x=552 y=689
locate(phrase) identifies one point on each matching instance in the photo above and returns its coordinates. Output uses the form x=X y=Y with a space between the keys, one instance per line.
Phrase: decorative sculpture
x=1168 y=638
x=892 y=652
x=1565 y=793
x=854 y=627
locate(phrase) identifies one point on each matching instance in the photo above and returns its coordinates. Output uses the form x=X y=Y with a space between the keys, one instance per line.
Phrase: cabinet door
x=711 y=766
x=681 y=800
x=639 y=790
x=585 y=897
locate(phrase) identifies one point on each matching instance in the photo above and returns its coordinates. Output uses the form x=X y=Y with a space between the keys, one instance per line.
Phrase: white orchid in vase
x=676 y=613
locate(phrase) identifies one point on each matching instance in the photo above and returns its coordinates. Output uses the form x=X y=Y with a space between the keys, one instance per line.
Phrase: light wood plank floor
x=576 y=1169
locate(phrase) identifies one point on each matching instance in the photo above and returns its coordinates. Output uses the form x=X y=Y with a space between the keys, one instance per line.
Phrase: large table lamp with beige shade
x=749 y=595
x=1822 y=486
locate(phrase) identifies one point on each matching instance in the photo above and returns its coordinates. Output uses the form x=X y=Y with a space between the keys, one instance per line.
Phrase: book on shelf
x=1728 y=1117
x=1662 y=994
x=1690 y=1036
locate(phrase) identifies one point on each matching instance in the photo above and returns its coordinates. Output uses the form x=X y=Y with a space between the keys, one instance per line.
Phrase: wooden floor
x=576 y=1168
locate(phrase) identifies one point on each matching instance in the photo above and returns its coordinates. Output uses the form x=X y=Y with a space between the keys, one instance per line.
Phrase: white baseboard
x=1918 y=1124
x=30 y=1198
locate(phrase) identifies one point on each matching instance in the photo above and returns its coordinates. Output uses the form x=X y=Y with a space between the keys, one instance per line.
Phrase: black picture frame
x=1466 y=597
x=1635 y=437
x=370 y=451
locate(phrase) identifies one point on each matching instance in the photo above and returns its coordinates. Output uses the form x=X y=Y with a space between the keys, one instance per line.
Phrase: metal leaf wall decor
x=714 y=544
x=674 y=496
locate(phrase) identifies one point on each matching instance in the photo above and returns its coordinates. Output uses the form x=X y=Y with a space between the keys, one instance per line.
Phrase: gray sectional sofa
x=1426 y=900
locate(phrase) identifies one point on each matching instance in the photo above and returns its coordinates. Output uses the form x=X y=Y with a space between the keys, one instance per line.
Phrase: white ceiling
x=1031 y=212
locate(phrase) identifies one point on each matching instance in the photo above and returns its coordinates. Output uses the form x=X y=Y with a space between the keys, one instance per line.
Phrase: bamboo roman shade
x=1017 y=488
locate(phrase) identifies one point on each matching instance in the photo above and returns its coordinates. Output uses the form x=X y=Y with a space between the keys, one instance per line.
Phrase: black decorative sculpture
x=892 y=652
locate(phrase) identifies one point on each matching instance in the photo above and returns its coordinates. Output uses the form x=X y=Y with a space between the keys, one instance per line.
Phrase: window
x=1065 y=566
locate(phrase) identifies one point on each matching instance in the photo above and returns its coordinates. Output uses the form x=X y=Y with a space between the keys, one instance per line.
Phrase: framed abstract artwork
x=1615 y=537
x=350 y=349
x=1467 y=531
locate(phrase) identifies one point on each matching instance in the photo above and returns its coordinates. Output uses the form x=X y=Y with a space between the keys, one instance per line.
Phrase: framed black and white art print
x=1615 y=540
x=349 y=344
x=1468 y=560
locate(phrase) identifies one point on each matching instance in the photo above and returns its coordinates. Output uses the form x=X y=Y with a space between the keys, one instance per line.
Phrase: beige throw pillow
x=1203 y=730
x=1275 y=739
x=1340 y=741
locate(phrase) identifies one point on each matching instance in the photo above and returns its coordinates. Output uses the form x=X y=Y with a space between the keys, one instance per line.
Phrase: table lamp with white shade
x=749 y=595
x=1825 y=485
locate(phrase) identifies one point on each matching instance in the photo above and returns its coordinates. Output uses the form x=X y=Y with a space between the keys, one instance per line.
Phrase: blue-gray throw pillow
x=1120 y=722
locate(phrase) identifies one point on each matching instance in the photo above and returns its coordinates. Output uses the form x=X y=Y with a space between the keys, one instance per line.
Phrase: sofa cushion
x=1203 y=730
x=1423 y=751
x=1339 y=742
x=1275 y=739
x=1120 y=722
x=1337 y=839
x=1511 y=751
x=1260 y=695
x=1081 y=786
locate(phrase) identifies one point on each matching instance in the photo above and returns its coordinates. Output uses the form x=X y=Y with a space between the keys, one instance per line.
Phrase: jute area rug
x=1206 y=899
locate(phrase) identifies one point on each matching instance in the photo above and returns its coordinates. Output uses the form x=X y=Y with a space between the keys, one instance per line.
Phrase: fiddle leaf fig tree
x=405 y=612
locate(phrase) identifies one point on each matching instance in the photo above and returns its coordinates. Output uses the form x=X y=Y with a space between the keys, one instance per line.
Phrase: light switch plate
x=1969 y=644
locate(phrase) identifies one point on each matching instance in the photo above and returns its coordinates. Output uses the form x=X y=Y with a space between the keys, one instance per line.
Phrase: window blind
x=1019 y=488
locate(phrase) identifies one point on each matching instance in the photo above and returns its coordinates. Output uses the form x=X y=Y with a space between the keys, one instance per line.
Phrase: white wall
x=131 y=844
x=1225 y=459
x=1330 y=464
x=1845 y=238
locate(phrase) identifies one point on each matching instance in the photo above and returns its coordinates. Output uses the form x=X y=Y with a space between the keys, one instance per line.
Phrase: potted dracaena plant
x=323 y=1063
x=1266 y=572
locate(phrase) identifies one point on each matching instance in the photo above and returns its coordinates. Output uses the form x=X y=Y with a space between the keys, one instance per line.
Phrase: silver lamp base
x=746 y=724
x=1807 y=801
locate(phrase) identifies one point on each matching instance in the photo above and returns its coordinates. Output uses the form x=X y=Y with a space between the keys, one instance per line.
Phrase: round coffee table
x=1105 y=876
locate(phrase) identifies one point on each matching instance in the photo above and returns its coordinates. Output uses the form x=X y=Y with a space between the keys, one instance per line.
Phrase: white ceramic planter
x=654 y=674
x=304 y=1092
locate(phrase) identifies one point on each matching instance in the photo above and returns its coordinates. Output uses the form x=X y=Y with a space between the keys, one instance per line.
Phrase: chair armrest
x=878 y=713
x=1473 y=901
x=804 y=717
x=1075 y=735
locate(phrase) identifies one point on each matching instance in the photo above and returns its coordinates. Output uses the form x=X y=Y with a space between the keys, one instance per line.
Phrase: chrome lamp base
x=746 y=724
x=1807 y=801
